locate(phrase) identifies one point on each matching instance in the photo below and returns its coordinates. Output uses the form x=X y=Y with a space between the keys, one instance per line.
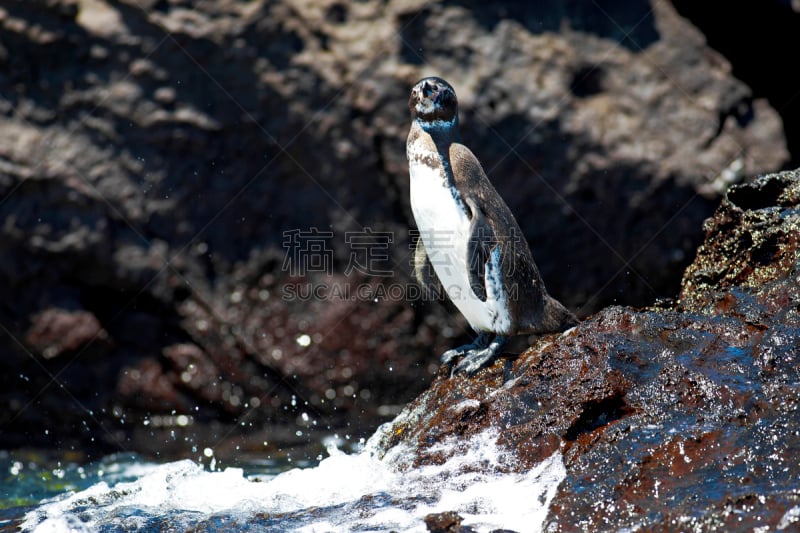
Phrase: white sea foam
x=344 y=493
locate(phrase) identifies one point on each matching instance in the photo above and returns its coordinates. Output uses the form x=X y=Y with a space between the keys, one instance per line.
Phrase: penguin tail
x=556 y=317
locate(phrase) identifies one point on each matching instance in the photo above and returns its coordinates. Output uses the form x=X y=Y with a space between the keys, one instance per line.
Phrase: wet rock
x=749 y=242
x=447 y=522
x=668 y=417
x=155 y=159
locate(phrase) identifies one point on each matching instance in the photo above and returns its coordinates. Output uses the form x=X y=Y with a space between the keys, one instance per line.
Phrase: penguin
x=470 y=245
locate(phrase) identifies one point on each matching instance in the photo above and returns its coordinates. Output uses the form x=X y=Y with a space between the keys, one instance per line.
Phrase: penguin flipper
x=425 y=275
x=481 y=242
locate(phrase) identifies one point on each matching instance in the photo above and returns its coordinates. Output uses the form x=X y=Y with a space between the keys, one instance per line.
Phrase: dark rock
x=666 y=418
x=447 y=522
x=769 y=29
x=148 y=388
x=155 y=159
x=56 y=331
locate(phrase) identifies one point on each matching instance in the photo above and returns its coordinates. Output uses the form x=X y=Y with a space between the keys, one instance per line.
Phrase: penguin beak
x=427 y=90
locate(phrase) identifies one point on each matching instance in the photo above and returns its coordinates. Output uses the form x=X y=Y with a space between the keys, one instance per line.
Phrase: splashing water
x=344 y=493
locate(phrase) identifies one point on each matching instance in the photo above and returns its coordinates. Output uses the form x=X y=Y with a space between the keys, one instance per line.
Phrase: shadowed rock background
x=156 y=157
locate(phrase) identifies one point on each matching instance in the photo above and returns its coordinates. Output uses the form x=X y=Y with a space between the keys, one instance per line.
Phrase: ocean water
x=345 y=492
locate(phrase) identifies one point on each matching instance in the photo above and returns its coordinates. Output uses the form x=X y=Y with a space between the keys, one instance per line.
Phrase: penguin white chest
x=445 y=230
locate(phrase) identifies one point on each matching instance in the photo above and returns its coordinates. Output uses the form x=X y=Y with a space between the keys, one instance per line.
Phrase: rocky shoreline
x=681 y=416
x=156 y=157
x=160 y=159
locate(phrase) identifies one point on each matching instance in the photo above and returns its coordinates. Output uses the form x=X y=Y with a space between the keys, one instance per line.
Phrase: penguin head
x=433 y=100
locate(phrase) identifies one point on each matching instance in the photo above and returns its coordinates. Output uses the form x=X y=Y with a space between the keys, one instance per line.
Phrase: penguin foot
x=481 y=342
x=476 y=355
